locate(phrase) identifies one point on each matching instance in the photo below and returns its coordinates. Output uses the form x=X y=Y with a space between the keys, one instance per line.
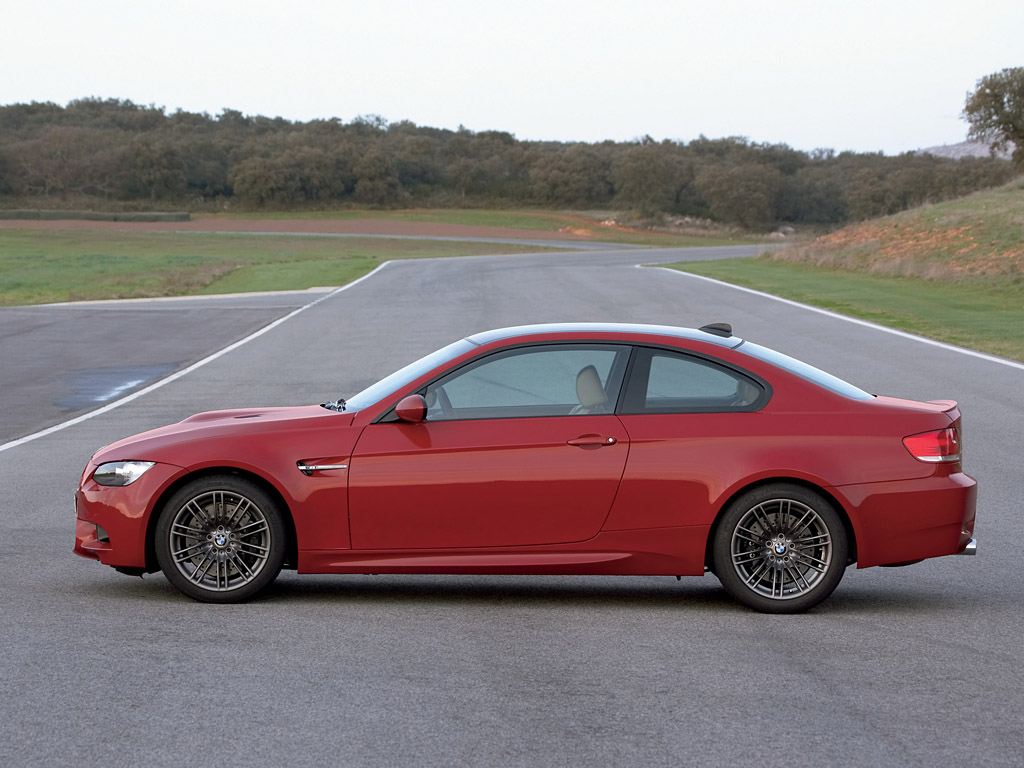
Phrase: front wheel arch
x=851 y=537
x=291 y=554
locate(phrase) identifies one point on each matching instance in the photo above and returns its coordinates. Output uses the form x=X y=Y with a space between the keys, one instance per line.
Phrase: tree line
x=110 y=152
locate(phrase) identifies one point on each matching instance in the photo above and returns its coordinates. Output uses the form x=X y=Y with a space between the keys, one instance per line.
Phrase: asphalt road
x=919 y=666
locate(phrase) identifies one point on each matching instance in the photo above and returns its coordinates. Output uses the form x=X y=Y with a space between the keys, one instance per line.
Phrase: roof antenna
x=718 y=329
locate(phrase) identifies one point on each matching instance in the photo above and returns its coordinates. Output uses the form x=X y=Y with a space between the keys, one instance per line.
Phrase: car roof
x=635 y=329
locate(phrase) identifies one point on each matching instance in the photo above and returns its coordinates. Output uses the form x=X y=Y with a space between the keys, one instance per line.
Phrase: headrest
x=588 y=388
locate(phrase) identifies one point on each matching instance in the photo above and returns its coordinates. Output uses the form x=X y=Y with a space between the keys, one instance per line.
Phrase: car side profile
x=551 y=449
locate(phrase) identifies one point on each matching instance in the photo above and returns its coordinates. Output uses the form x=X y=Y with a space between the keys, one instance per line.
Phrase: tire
x=220 y=539
x=780 y=548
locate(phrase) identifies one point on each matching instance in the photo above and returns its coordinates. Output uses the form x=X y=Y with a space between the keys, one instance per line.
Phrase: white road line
x=854 y=320
x=185 y=371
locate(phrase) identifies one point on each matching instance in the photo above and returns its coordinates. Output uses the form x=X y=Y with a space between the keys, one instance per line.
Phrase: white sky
x=868 y=76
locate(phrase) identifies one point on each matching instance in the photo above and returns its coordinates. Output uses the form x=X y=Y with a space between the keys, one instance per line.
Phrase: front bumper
x=112 y=521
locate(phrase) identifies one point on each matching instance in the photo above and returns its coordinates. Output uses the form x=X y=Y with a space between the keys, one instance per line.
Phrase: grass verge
x=986 y=316
x=40 y=266
x=544 y=221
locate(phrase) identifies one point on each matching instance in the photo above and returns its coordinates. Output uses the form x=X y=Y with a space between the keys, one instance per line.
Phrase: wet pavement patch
x=95 y=386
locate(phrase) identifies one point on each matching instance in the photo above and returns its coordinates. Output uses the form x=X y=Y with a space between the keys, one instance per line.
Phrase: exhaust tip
x=970 y=549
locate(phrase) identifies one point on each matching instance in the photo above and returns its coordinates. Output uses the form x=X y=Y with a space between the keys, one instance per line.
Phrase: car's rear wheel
x=220 y=539
x=780 y=548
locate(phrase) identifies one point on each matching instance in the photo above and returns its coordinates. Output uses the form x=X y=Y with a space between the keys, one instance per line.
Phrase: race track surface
x=918 y=666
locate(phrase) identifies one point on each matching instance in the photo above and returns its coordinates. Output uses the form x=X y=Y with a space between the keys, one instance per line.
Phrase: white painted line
x=854 y=320
x=185 y=371
x=199 y=297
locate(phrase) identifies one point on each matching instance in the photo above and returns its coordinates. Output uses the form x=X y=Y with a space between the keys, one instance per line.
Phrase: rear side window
x=804 y=371
x=668 y=382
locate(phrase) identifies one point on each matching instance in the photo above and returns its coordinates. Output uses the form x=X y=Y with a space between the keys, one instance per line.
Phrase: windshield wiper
x=335 y=405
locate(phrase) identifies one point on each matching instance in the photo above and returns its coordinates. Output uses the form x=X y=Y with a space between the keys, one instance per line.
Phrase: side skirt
x=655 y=551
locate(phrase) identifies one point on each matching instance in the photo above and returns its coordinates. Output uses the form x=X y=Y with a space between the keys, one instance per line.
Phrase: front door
x=519 y=448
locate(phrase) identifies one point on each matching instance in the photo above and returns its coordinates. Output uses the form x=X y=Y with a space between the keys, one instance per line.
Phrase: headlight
x=120 y=472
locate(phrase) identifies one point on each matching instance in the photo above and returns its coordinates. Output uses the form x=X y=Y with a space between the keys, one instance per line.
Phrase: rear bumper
x=970 y=549
x=907 y=520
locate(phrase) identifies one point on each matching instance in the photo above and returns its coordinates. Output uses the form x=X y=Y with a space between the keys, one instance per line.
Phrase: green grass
x=986 y=315
x=47 y=265
x=543 y=221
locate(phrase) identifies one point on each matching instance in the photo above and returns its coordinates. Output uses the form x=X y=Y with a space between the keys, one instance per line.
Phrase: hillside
x=978 y=239
x=113 y=155
x=965 y=149
x=951 y=271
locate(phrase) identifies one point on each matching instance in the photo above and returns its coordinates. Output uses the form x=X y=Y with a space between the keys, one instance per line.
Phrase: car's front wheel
x=780 y=548
x=220 y=539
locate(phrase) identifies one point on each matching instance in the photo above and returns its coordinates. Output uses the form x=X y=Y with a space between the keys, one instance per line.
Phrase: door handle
x=591 y=441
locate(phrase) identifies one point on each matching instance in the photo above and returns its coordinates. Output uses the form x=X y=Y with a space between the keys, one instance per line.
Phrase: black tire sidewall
x=231 y=484
x=722 y=545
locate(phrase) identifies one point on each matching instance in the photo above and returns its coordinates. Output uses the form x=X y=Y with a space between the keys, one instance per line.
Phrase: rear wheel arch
x=291 y=554
x=829 y=497
x=781 y=547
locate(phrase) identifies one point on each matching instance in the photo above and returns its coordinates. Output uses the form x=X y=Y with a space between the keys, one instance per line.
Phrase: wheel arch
x=825 y=494
x=291 y=556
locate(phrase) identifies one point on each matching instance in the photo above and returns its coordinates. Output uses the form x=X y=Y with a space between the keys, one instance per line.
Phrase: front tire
x=780 y=548
x=220 y=539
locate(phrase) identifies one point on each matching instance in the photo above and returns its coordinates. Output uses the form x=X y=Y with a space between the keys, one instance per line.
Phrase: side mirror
x=412 y=409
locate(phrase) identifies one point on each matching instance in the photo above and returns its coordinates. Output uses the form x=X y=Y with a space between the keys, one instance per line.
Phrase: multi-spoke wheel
x=220 y=539
x=780 y=549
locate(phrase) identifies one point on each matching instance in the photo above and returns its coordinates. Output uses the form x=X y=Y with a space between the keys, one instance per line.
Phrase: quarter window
x=668 y=382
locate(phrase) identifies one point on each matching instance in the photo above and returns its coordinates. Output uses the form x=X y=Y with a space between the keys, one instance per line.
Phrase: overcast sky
x=868 y=76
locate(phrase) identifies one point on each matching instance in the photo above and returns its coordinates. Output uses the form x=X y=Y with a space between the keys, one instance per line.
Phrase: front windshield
x=407 y=375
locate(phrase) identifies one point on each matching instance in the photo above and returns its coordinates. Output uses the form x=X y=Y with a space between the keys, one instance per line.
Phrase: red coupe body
x=496 y=474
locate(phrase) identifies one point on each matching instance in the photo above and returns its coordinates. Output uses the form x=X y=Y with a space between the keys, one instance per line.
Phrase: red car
x=549 y=449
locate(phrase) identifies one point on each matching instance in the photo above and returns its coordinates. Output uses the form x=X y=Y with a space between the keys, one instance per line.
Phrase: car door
x=518 y=448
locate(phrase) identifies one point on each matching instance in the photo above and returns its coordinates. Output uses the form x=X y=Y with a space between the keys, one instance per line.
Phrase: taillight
x=941 y=445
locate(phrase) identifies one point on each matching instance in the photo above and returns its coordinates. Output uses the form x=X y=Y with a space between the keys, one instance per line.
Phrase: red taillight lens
x=942 y=445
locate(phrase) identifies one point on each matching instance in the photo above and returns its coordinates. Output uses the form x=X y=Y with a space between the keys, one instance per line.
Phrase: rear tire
x=780 y=548
x=220 y=539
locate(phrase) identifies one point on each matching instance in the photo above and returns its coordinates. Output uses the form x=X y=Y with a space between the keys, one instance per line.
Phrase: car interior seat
x=590 y=392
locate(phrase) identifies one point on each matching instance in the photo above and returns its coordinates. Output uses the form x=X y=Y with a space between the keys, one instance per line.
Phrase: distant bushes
x=62 y=215
x=113 y=153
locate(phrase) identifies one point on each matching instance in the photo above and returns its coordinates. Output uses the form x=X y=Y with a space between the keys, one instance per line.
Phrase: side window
x=668 y=382
x=548 y=380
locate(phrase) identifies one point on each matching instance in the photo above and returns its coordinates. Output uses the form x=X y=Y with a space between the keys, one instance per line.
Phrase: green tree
x=69 y=160
x=744 y=194
x=290 y=175
x=651 y=177
x=574 y=175
x=376 y=180
x=155 y=169
x=995 y=112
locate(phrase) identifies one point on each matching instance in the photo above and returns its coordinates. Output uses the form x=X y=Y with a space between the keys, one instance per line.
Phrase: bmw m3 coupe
x=550 y=449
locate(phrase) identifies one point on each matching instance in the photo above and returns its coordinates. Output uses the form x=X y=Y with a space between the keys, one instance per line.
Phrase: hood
x=239 y=423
